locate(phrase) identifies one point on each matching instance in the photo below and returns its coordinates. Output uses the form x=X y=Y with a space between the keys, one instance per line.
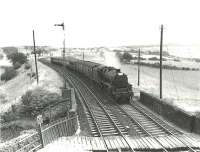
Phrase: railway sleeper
x=105 y=124
x=107 y=129
x=109 y=134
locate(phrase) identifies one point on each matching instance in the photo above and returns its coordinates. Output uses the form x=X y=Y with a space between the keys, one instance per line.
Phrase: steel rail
x=190 y=148
x=104 y=110
x=167 y=130
x=77 y=90
x=165 y=122
x=139 y=124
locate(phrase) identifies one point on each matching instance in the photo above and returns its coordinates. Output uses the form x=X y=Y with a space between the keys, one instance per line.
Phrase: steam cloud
x=110 y=59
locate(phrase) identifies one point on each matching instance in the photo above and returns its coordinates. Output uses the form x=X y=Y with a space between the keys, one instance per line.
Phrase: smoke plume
x=110 y=59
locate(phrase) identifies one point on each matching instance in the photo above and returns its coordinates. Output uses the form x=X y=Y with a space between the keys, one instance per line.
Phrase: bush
x=1 y=56
x=3 y=99
x=27 y=98
x=36 y=101
x=8 y=116
x=27 y=66
x=17 y=57
x=31 y=74
x=177 y=60
x=17 y=65
x=154 y=59
x=126 y=56
x=8 y=74
x=197 y=60
x=10 y=50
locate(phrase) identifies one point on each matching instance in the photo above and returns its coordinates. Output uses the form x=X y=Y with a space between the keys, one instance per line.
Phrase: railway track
x=103 y=123
x=101 y=120
x=97 y=113
x=145 y=121
x=148 y=125
x=173 y=137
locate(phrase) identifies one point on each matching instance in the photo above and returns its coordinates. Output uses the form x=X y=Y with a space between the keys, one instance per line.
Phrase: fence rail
x=65 y=127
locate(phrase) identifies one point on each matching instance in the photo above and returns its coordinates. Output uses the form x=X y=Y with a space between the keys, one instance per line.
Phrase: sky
x=93 y=23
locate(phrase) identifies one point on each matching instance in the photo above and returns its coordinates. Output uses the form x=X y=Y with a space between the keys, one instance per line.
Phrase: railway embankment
x=179 y=117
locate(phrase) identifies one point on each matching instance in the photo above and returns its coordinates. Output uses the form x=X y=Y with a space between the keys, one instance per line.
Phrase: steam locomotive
x=109 y=78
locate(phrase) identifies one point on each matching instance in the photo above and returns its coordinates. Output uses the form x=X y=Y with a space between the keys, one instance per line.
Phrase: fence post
x=39 y=121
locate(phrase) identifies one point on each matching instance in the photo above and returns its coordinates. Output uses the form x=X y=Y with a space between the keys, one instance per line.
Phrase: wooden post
x=49 y=113
x=39 y=122
x=161 y=46
x=63 y=26
x=83 y=56
x=139 y=67
x=35 y=57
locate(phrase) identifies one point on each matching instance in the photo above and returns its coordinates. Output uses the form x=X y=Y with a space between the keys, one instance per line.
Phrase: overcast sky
x=99 y=22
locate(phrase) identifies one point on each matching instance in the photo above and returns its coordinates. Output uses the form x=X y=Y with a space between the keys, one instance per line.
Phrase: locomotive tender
x=109 y=78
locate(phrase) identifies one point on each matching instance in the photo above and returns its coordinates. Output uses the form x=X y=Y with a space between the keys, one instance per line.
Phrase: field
x=182 y=88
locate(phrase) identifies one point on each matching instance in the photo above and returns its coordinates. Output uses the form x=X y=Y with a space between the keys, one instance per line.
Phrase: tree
x=8 y=74
x=127 y=57
x=17 y=57
x=9 y=50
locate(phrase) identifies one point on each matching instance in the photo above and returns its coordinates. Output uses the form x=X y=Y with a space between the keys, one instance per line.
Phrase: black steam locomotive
x=109 y=78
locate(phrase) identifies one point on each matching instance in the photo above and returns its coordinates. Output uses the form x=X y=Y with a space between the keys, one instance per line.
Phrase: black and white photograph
x=100 y=76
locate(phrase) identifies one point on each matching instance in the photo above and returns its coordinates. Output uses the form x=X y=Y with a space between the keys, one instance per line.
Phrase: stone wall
x=180 y=118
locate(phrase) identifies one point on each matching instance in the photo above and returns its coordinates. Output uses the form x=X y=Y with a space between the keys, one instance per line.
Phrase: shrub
x=31 y=74
x=27 y=66
x=36 y=100
x=8 y=74
x=27 y=98
x=9 y=116
x=17 y=65
x=3 y=99
x=177 y=60
x=154 y=59
x=127 y=56
x=1 y=56
x=10 y=50
x=17 y=57
x=197 y=114
x=124 y=57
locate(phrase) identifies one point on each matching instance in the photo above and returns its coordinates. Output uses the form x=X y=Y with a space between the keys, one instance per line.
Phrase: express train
x=113 y=80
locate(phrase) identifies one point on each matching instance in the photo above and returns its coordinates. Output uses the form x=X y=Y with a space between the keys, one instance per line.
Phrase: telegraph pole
x=35 y=57
x=63 y=27
x=161 y=47
x=139 y=67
